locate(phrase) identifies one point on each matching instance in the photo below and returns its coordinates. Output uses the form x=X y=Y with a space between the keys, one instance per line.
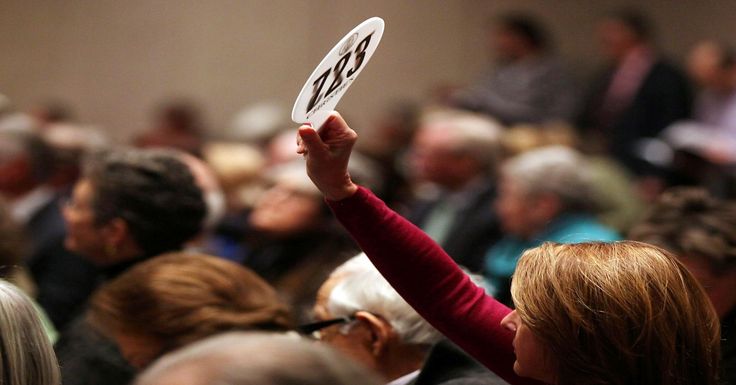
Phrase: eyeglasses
x=314 y=327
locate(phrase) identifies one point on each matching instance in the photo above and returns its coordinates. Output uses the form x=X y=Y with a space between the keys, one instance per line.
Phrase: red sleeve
x=430 y=281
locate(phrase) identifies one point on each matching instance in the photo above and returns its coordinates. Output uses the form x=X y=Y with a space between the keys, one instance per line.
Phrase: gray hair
x=27 y=357
x=361 y=287
x=239 y=358
x=473 y=134
x=556 y=170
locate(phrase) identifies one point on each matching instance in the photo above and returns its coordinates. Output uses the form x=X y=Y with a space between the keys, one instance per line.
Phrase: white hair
x=26 y=355
x=473 y=134
x=361 y=287
x=238 y=358
x=556 y=170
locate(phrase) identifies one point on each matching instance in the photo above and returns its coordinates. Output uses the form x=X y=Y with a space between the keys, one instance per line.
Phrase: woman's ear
x=380 y=330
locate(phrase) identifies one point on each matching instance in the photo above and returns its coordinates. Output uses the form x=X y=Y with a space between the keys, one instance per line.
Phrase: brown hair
x=618 y=313
x=691 y=223
x=179 y=298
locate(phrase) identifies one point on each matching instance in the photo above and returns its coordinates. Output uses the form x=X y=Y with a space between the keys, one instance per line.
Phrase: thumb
x=311 y=141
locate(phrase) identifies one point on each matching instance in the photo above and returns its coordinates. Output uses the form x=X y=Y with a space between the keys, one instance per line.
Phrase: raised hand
x=327 y=153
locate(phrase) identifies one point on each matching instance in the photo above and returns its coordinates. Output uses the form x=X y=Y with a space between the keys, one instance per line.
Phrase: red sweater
x=431 y=282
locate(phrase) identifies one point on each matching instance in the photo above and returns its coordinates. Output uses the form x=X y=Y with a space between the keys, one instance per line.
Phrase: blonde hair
x=26 y=355
x=618 y=313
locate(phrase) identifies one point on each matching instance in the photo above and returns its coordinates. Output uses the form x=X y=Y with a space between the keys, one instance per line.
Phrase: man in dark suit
x=64 y=280
x=637 y=96
x=454 y=155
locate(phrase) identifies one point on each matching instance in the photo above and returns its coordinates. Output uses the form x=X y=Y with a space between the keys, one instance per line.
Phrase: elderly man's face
x=354 y=339
x=521 y=214
x=434 y=159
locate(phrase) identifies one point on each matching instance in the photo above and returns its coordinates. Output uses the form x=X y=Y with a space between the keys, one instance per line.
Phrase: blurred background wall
x=113 y=61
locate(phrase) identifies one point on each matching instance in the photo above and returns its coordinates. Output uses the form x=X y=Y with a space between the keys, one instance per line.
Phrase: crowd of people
x=513 y=231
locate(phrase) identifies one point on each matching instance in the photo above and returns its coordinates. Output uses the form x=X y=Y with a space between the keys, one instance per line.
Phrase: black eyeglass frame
x=310 y=328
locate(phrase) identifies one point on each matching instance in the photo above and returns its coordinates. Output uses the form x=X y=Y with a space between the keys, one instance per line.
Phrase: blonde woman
x=26 y=355
x=588 y=313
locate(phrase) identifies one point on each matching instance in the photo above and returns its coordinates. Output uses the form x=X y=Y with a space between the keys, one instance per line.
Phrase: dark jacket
x=663 y=98
x=88 y=358
x=449 y=365
x=475 y=229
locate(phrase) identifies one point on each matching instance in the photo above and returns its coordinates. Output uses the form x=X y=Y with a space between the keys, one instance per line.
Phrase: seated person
x=711 y=135
x=27 y=355
x=12 y=246
x=128 y=206
x=528 y=83
x=63 y=279
x=178 y=298
x=545 y=194
x=586 y=313
x=701 y=231
x=454 y=156
x=361 y=315
x=637 y=94
x=238 y=358
x=292 y=240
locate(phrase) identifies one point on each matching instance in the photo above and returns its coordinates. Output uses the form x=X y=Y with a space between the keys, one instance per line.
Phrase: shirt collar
x=405 y=379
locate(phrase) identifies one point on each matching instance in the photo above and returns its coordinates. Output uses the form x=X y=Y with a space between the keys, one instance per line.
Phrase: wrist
x=345 y=191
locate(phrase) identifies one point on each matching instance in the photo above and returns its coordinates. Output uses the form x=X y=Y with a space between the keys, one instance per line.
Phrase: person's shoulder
x=585 y=228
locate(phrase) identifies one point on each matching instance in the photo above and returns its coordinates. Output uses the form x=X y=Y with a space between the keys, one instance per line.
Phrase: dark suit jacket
x=449 y=365
x=64 y=279
x=473 y=232
x=663 y=98
x=87 y=357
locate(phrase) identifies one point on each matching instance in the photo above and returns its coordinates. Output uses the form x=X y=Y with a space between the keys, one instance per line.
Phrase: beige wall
x=114 y=60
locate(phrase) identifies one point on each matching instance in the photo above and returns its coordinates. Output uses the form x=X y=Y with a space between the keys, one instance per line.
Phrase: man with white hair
x=455 y=154
x=362 y=316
